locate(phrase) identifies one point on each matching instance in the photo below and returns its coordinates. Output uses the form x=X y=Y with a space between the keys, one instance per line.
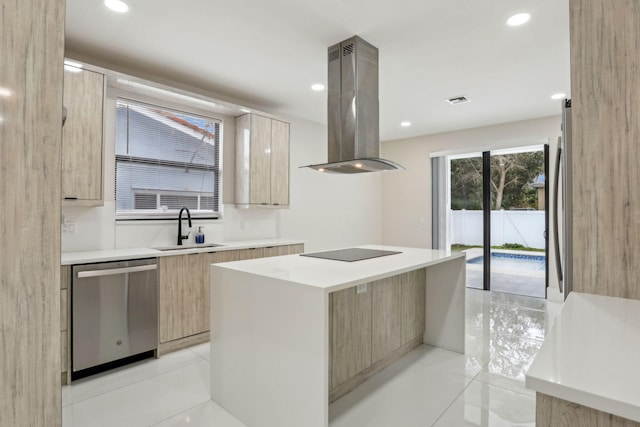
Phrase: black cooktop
x=351 y=254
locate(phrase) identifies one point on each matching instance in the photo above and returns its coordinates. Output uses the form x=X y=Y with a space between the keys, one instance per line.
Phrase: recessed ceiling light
x=318 y=87
x=358 y=165
x=116 y=5
x=5 y=92
x=405 y=124
x=518 y=19
x=558 y=96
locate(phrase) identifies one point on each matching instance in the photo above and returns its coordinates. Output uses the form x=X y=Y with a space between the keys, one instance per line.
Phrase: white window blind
x=165 y=160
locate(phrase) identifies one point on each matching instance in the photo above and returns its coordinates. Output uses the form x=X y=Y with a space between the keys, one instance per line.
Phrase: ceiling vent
x=457 y=100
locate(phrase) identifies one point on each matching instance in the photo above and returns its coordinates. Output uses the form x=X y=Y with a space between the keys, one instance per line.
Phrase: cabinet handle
x=112 y=271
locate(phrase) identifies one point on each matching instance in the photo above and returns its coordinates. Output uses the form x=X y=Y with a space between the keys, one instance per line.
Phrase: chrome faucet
x=180 y=236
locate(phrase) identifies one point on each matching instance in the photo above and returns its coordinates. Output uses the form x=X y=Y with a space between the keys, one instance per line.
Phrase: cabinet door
x=283 y=250
x=279 y=163
x=82 y=136
x=237 y=255
x=413 y=304
x=385 y=322
x=350 y=328
x=260 y=176
x=182 y=306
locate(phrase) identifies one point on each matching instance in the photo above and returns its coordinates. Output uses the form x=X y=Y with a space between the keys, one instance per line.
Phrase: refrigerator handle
x=556 y=208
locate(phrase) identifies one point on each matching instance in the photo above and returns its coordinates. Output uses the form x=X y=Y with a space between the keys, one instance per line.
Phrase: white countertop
x=86 y=257
x=335 y=275
x=590 y=356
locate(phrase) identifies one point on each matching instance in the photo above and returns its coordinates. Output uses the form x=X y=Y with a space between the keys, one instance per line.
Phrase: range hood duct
x=353 y=110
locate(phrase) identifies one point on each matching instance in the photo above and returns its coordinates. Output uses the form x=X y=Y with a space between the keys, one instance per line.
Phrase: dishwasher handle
x=112 y=271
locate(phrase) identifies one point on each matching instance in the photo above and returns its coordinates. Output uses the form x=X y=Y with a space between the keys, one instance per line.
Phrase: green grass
x=514 y=246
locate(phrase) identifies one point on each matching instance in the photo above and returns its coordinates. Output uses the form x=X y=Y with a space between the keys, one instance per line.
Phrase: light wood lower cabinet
x=184 y=287
x=65 y=281
x=283 y=250
x=371 y=329
x=181 y=292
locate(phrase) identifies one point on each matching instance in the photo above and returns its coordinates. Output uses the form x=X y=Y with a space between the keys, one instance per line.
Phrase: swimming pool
x=513 y=261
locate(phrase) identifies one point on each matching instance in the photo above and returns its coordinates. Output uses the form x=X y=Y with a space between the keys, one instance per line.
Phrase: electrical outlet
x=70 y=228
x=361 y=288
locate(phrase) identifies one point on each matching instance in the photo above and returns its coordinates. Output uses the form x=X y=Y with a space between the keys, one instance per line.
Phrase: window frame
x=183 y=104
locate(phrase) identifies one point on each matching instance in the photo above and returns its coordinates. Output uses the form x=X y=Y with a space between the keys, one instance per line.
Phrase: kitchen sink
x=184 y=247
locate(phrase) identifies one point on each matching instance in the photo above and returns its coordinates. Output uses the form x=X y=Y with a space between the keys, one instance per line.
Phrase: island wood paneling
x=412 y=307
x=605 y=90
x=32 y=46
x=554 y=412
x=386 y=301
x=395 y=325
x=350 y=334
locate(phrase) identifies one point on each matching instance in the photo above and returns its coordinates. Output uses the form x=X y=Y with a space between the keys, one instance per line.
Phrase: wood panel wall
x=605 y=90
x=32 y=46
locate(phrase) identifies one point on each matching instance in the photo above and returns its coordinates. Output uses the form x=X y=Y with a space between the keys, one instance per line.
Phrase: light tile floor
x=429 y=386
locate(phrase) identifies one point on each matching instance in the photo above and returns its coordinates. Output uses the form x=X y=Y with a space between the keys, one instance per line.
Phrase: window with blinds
x=165 y=160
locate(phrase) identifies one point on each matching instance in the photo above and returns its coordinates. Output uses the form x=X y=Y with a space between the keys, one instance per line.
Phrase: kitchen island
x=273 y=326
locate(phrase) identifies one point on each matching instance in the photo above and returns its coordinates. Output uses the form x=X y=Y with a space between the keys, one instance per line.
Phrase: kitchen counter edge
x=88 y=257
x=588 y=356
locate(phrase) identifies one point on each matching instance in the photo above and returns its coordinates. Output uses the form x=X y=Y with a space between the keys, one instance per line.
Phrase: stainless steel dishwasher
x=114 y=314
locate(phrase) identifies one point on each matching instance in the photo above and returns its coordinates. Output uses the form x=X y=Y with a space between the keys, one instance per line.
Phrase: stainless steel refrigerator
x=562 y=212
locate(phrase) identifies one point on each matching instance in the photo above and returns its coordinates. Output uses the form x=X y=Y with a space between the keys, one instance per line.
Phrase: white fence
x=524 y=227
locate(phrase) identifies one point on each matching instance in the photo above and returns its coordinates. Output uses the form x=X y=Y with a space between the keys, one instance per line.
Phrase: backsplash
x=96 y=228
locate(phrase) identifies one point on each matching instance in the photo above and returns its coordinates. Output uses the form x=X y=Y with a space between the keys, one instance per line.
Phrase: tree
x=511 y=175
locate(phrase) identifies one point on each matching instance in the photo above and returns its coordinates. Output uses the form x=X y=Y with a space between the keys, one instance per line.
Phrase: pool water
x=513 y=261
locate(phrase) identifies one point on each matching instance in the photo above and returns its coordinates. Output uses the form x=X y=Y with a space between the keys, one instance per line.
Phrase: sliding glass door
x=497 y=215
x=466 y=211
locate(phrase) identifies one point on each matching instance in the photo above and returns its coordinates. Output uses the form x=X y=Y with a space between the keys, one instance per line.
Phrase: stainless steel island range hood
x=353 y=117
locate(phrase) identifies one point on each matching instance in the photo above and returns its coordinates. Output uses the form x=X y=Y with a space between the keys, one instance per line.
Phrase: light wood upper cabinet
x=82 y=138
x=279 y=163
x=262 y=161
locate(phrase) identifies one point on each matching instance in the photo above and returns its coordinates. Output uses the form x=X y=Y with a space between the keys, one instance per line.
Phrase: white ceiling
x=268 y=53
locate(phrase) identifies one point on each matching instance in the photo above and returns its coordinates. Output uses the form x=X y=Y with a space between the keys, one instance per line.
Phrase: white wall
x=407 y=194
x=327 y=211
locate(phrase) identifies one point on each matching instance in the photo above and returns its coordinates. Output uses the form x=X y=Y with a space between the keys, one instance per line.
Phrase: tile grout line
x=175 y=415
x=460 y=394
